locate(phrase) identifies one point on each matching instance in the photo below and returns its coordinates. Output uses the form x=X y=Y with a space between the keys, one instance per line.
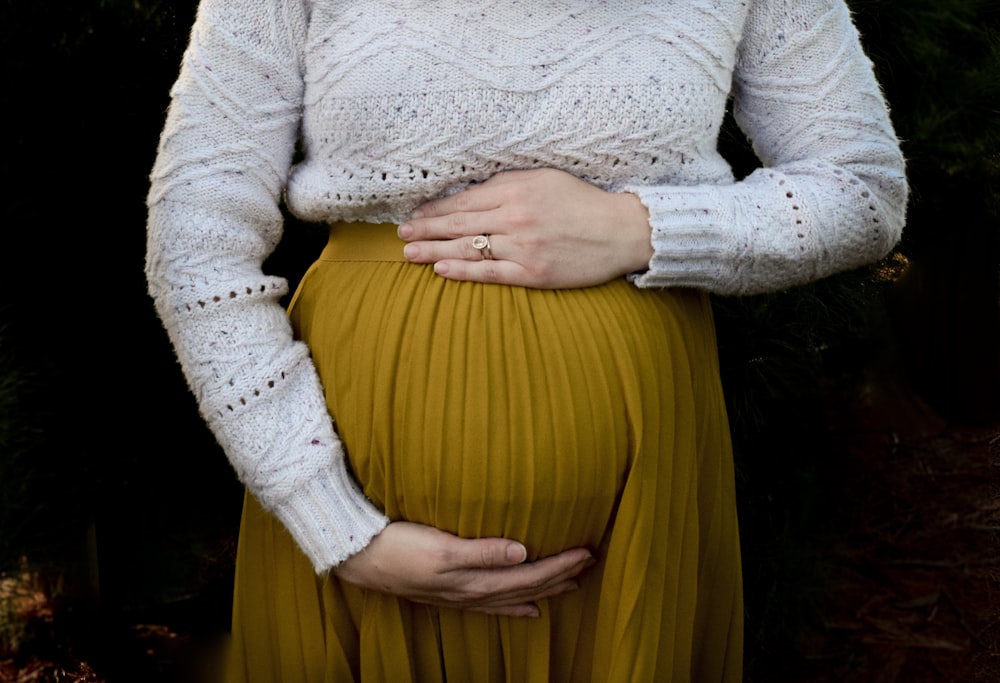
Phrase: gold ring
x=482 y=243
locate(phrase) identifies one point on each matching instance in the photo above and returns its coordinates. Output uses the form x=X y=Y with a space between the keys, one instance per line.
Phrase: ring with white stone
x=482 y=243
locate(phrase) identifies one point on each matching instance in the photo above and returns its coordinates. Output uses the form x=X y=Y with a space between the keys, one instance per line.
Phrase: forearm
x=213 y=219
x=256 y=387
x=832 y=192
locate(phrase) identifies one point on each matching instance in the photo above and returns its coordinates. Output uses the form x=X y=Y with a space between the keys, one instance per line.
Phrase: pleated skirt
x=561 y=418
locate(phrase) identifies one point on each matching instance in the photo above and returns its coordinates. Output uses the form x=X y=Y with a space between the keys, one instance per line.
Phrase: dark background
x=115 y=499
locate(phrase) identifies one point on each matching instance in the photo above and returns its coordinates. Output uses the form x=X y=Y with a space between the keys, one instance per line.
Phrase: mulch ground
x=911 y=559
x=911 y=556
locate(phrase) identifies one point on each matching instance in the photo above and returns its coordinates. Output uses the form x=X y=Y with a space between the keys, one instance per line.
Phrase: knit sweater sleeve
x=831 y=192
x=213 y=217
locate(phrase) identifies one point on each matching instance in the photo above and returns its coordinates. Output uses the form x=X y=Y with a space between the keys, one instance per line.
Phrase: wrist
x=637 y=232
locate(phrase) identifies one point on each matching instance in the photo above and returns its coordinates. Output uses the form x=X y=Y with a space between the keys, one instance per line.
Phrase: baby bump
x=487 y=410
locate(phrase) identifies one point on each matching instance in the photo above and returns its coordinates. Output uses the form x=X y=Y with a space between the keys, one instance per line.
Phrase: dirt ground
x=911 y=558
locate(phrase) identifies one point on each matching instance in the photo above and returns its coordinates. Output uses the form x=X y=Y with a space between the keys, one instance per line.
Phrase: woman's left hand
x=547 y=229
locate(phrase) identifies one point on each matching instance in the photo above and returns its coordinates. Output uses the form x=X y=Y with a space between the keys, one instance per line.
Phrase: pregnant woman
x=487 y=441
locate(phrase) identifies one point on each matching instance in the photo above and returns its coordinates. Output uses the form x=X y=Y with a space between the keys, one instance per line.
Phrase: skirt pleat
x=561 y=418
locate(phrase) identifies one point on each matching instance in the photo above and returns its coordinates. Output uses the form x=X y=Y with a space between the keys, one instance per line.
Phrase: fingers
x=491 y=575
x=528 y=609
x=493 y=581
x=459 y=259
x=474 y=198
x=529 y=606
x=457 y=216
x=487 y=553
x=532 y=580
x=493 y=553
x=511 y=590
x=463 y=214
x=462 y=248
x=493 y=271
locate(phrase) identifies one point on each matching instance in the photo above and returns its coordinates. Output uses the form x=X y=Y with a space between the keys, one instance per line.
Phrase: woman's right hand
x=427 y=565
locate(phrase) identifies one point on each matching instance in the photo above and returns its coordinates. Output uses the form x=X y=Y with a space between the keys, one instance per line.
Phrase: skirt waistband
x=363 y=242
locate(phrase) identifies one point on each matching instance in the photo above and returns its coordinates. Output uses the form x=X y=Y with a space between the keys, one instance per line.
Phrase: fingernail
x=515 y=551
x=441 y=268
x=417 y=213
x=405 y=231
x=410 y=251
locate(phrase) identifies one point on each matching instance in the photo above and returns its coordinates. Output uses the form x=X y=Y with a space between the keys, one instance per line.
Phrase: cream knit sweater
x=383 y=104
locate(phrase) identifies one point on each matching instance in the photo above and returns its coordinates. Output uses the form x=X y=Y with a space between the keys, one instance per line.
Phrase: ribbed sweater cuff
x=330 y=518
x=693 y=237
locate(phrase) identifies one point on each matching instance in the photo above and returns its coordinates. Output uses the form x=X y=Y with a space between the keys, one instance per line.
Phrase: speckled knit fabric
x=396 y=102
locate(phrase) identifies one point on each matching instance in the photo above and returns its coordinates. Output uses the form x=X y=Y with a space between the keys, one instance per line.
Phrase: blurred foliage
x=110 y=484
x=940 y=63
x=20 y=438
x=932 y=308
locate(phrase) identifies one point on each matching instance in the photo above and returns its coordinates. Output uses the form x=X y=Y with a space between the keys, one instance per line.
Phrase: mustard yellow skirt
x=587 y=417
